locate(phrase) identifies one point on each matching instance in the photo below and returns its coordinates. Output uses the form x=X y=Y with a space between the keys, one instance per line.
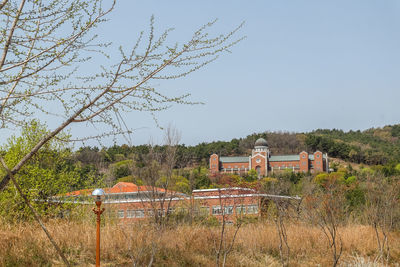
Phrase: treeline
x=372 y=147
x=279 y=142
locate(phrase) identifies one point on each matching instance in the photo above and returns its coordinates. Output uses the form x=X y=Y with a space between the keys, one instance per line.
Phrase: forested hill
x=372 y=146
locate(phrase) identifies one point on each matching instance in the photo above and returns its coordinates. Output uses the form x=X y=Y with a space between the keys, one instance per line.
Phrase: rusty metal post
x=98 y=212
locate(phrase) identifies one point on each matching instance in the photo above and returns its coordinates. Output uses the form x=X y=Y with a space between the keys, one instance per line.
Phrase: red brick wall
x=262 y=159
x=231 y=201
x=318 y=162
x=304 y=162
x=211 y=202
x=141 y=205
x=235 y=165
x=214 y=163
x=286 y=164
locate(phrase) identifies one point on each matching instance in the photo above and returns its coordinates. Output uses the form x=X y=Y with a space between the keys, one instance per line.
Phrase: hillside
x=373 y=146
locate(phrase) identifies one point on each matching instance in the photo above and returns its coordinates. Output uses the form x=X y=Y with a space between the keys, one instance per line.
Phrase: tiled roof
x=121 y=187
x=291 y=157
x=285 y=158
x=233 y=159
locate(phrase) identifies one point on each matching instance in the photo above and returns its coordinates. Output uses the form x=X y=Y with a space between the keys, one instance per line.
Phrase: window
x=130 y=213
x=258 y=160
x=140 y=214
x=317 y=155
x=252 y=209
x=121 y=214
x=216 y=210
x=228 y=209
x=240 y=210
x=303 y=156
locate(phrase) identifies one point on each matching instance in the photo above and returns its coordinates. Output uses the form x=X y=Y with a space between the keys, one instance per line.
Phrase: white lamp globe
x=98 y=194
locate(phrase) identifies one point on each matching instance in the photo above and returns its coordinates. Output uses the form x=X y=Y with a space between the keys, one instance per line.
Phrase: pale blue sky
x=304 y=65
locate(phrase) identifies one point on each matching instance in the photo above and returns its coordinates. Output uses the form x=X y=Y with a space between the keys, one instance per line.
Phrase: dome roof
x=261 y=142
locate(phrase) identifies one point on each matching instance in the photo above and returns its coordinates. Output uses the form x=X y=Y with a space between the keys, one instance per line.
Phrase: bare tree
x=281 y=210
x=382 y=200
x=280 y=215
x=324 y=205
x=222 y=245
x=158 y=177
x=156 y=194
x=43 y=45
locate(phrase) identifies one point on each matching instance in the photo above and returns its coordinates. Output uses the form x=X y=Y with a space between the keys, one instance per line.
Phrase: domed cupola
x=261 y=142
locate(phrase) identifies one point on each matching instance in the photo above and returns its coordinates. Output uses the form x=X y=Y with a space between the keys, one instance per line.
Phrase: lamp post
x=98 y=195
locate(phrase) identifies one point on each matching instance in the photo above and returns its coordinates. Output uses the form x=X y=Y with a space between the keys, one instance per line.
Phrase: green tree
x=44 y=176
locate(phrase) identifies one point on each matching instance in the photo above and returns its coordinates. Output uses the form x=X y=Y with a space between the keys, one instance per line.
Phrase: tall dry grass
x=24 y=244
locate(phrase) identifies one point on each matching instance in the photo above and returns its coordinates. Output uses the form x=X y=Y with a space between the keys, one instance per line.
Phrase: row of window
x=140 y=213
x=281 y=166
x=234 y=169
x=243 y=209
x=128 y=196
x=216 y=210
x=288 y=166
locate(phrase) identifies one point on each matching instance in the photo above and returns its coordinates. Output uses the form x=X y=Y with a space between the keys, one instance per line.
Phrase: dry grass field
x=257 y=244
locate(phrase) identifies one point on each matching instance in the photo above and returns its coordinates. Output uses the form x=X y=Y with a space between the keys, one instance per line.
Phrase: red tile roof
x=121 y=187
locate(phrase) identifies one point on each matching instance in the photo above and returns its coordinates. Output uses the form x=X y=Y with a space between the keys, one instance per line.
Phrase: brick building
x=264 y=163
x=129 y=202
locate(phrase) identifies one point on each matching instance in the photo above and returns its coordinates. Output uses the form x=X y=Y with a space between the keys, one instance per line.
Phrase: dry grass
x=257 y=245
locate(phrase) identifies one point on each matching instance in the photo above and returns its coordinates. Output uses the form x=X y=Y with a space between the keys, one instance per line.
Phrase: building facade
x=128 y=202
x=264 y=163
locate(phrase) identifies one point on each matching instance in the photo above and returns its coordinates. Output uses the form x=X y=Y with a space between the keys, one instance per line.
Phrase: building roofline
x=175 y=199
x=222 y=189
x=248 y=195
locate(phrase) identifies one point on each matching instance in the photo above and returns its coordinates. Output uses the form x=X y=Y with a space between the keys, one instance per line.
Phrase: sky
x=304 y=65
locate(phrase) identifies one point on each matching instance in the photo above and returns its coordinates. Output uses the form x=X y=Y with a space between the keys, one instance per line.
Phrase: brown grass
x=257 y=245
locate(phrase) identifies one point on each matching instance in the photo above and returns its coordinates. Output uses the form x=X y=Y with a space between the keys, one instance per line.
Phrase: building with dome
x=264 y=163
